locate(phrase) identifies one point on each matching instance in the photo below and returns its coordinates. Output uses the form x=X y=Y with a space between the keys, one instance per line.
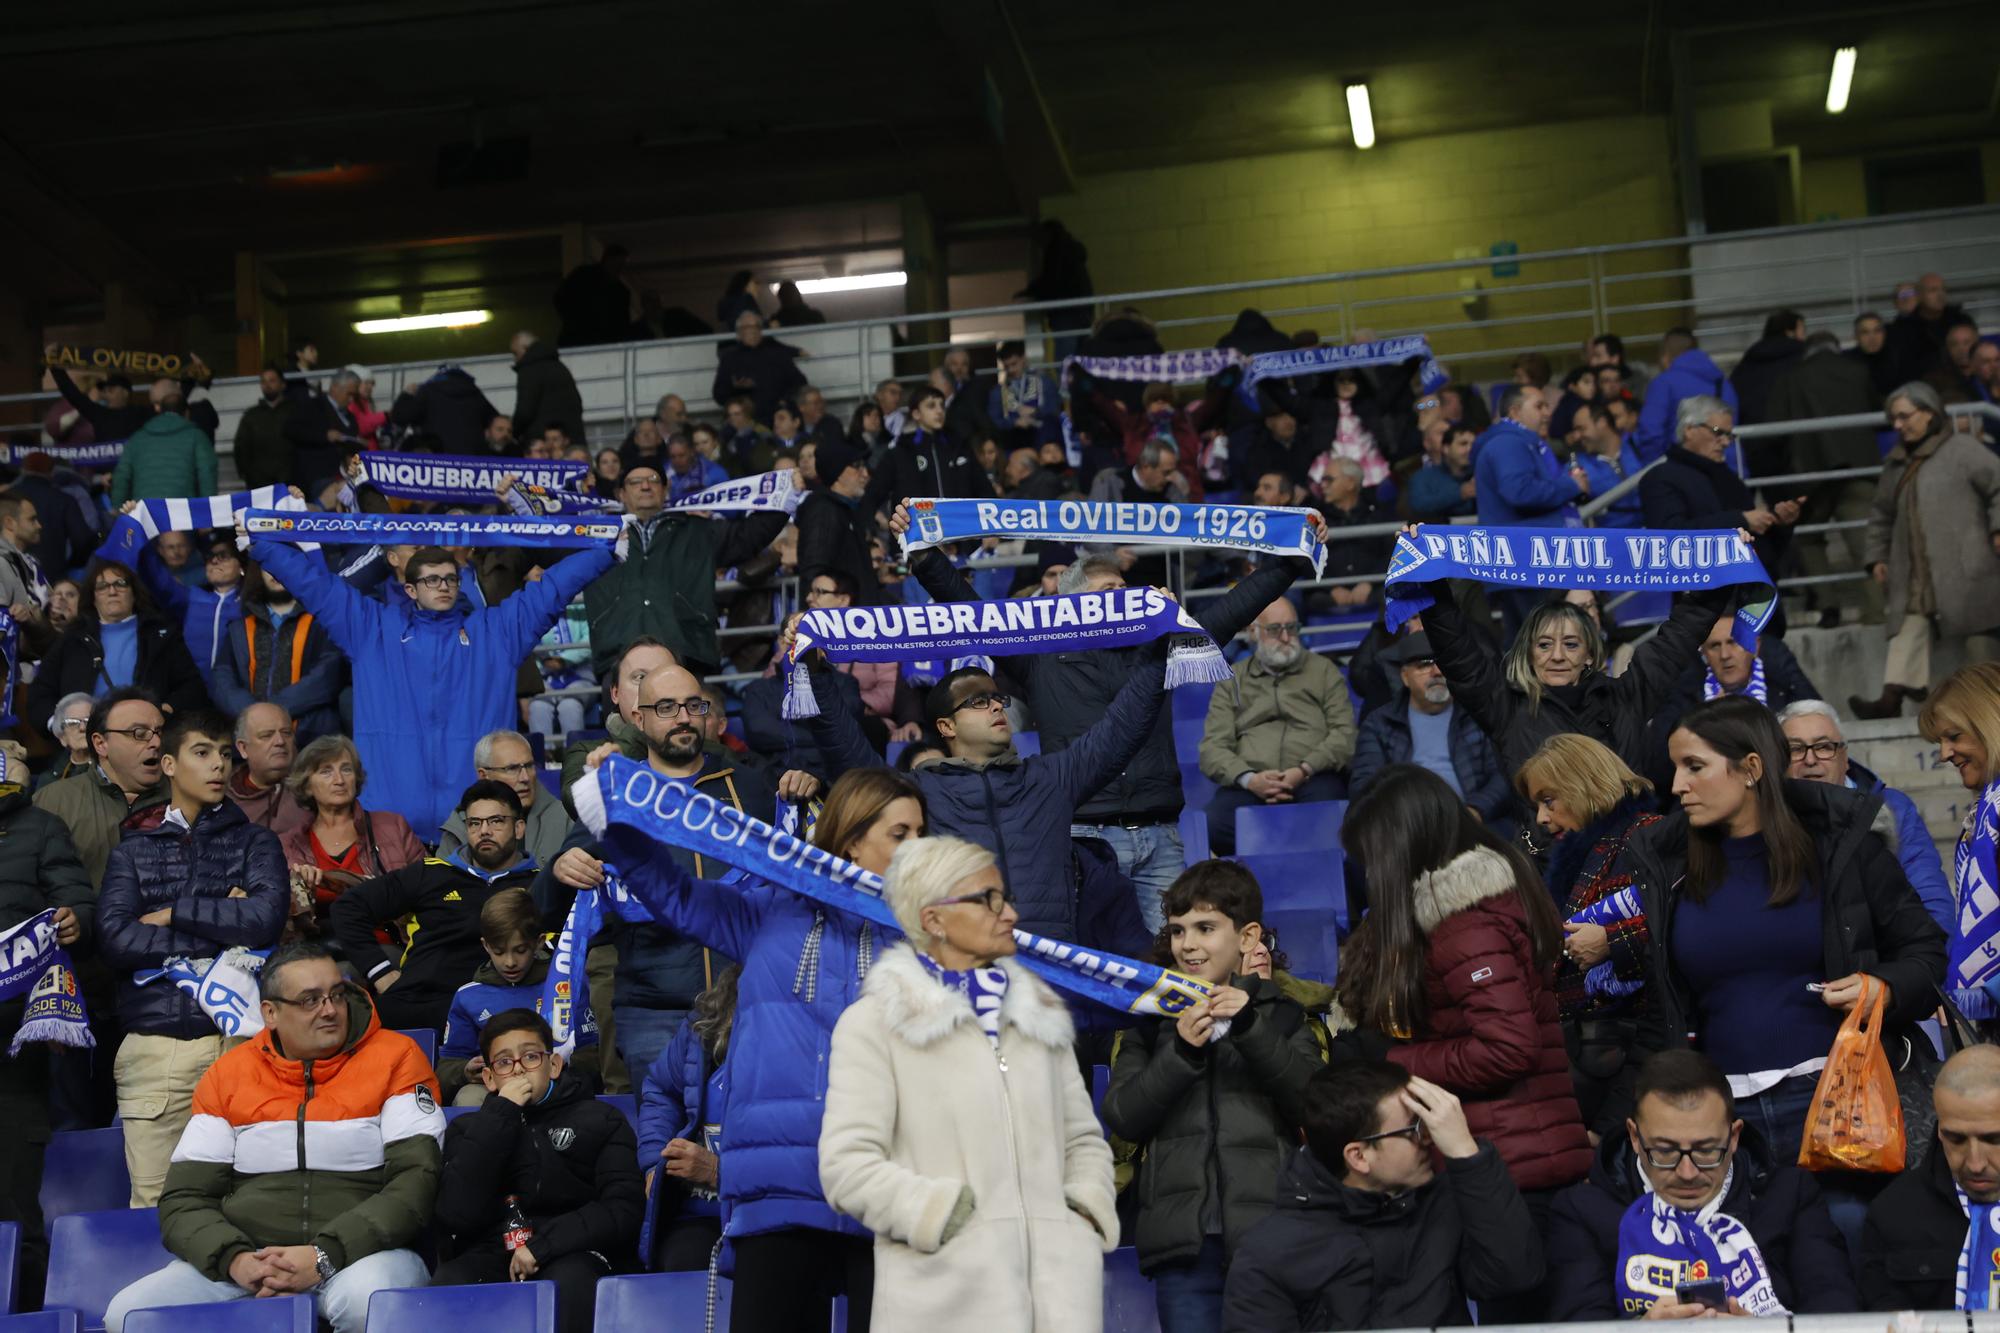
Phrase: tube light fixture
x=1841 y=81
x=444 y=319
x=859 y=282
x=1360 y=116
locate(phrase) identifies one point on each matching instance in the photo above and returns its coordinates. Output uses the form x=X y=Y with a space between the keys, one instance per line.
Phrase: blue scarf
x=1270 y=531
x=33 y=965
x=1159 y=367
x=103 y=454
x=225 y=987
x=10 y=666
x=1977 y=1286
x=1602 y=980
x=457 y=479
x=1974 y=974
x=1711 y=688
x=984 y=988
x=748 y=495
x=1071 y=623
x=197 y=513
x=432 y=529
x=1660 y=1246
x=1352 y=356
x=534 y=501
x=667 y=811
x=1552 y=558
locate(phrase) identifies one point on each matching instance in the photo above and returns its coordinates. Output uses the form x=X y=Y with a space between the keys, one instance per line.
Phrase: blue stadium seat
x=1027 y=743
x=1187 y=734
x=426 y=1040
x=893 y=752
x=626 y=1102
x=274 y=1314
x=94 y=1256
x=552 y=779
x=1129 y=1303
x=1194 y=834
x=652 y=1301
x=497 y=1307
x=1100 y=1083
x=1191 y=700
x=48 y=1321
x=452 y=1113
x=1294 y=850
x=1310 y=942
x=85 y=1172
x=10 y=1264
x=1196 y=789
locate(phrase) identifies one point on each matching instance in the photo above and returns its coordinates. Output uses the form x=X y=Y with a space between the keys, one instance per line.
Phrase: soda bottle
x=515 y=1229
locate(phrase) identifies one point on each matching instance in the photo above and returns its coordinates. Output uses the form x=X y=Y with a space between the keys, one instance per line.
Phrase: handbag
x=1855 y=1122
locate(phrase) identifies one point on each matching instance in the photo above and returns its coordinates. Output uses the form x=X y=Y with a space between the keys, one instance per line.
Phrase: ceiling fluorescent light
x=1841 y=82
x=1360 y=116
x=859 y=282
x=446 y=319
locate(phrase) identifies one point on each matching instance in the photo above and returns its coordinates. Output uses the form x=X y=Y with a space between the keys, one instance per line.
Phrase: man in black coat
x=594 y=302
x=1915 y=1232
x=927 y=461
x=570 y=1160
x=545 y=393
x=1367 y=1233
x=834 y=525
x=1916 y=339
x=450 y=410
x=1763 y=364
x=1685 y=1143
x=762 y=369
x=320 y=428
x=67 y=538
x=1826 y=383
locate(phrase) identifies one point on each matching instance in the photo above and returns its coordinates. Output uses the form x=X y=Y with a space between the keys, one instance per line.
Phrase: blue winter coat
x=162 y=864
x=1384 y=739
x=1520 y=482
x=1914 y=849
x=1628 y=512
x=1691 y=375
x=782 y=1036
x=429 y=684
x=203 y=614
x=684 y=1095
x=1434 y=495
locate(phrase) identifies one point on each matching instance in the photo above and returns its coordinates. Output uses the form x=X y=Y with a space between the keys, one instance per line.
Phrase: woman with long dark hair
x=1451 y=976
x=1770 y=903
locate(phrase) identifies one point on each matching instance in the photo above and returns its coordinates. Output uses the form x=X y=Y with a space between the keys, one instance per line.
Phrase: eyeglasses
x=68 y=722
x=1288 y=630
x=113 y=585
x=1726 y=436
x=511 y=770
x=1667 y=1157
x=1818 y=749
x=984 y=699
x=142 y=733
x=817 y=591
x=436 y=581
x=494 y=822
x=1414 y=1132
x=995 y=901
x=313 y=1000
x=668 y=709
x=216 y=555
x=504 y=1065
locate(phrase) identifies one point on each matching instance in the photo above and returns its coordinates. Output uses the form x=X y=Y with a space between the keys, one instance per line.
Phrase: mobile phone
x=1816 y=986
x=1709 y=1291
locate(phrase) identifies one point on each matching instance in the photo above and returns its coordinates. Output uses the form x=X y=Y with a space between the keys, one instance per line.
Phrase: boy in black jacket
x=571 y=1160
x=1213 y=1097
x=1366 y=1233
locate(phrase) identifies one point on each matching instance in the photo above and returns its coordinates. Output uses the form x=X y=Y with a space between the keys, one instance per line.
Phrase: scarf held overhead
x=1661 y=1246
x=1260 y=528
x=94 y=456
x=747 y=495
x=33 y=966
x=1555 y=558
x=457 y=479
x=1350 y=356
x=1073 y=622
x=667 y=811
x=432 y=529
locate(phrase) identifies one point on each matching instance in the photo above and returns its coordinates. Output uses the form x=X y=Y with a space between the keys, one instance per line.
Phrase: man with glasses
x=124 y=734
x=506 y=756
x=660 y=971
x=1685 y=372
x=311 y=1161
x=1819 y=754
x=442 y=898
x=430 y=677
x=191 y=879
x=1718 y=1195
x=1279 y=731
x=1368 y=1232
x=1424 y=728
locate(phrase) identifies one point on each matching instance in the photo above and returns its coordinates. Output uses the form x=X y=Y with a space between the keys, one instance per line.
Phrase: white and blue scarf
x=197 y=513
x=1661 y=1246
x=1711 y=688
x=225 y=987
x=10 y=667
x=1603 y=980
x=1159 y=367
x=984 y=988
x=1557 y=558
x=667 y=811
x=35 y=968
x=1303 y=361
x=1261 y=528
x=1071 y=623
x=747 y=495
x=461 y=479
x=1974 y=974
x=432 y=529
x=1977 y=1283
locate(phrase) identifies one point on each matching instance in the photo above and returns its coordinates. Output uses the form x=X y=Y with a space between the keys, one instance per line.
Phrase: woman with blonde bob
x=1585 y=797
x=1962 y=716
x=957 y=1125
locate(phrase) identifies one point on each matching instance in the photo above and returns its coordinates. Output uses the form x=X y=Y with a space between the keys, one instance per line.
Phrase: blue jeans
x=1151 y=857
x=1189 y=1295
x=1779 y=1113
x=642 y=1034
x=342 y=1302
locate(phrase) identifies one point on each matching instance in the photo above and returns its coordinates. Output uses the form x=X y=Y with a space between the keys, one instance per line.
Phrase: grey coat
x=1958 y=498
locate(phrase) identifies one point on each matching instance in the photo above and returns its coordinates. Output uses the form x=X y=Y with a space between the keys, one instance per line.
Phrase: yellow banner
x=118 y=361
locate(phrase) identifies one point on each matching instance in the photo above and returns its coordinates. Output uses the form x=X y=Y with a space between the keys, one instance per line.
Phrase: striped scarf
x=1711 y=688
x=984 y=988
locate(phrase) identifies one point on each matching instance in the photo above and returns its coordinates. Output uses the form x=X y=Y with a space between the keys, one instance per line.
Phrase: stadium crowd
x=1607 y=895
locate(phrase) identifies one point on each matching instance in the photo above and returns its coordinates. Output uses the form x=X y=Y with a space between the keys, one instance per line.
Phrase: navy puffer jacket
x=165 y=864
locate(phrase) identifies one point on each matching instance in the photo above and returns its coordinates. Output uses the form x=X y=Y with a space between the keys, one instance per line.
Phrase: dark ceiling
x=163 y=145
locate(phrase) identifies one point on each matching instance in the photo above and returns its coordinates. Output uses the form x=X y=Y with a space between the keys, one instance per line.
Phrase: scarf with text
x=1711 y=688
x=1603 y=980
x=10 y=667
x=1261 y=528
x=225 y=987
x=462 y=479
x=1553 y=558
x=1159 y=367
x=1071 y=623
x=984 y=988
x=1661 y=1246
x=535 y=501
x=104 y=454
x=1324 y=360
x=432 y=529
x=747 y=495
x=1974 y=974
x=1977 y=1283
x=35 y=968
x=629 y=795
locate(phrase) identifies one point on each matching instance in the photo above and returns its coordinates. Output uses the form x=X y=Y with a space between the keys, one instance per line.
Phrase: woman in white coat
x=957 y=1126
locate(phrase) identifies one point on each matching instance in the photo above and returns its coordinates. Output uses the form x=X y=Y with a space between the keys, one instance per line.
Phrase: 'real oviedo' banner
x=120 y=361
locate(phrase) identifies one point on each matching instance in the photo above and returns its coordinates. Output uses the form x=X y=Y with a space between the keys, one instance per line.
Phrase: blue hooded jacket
x=1691 y=375
x=429 y=684
x=1519 y=481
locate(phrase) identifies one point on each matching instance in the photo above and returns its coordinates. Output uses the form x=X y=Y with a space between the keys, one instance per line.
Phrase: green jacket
x=1260 y=719
x=169 y=456
x=263 y=454
x=243 y=1177
x=630 y=744
x=666 y=586
x=93 y=807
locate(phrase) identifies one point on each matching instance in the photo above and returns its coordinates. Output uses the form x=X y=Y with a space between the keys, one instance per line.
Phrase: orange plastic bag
x=1855 y=1122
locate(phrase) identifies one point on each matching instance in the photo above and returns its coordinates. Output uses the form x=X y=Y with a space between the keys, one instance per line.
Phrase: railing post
x=631 y=386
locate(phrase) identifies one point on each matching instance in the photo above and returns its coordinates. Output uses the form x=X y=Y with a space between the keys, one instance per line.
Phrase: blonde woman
x=1962 y=717
x=957 y=1125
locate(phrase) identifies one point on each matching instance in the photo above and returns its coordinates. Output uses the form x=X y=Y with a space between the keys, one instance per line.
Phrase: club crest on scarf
x=1661 y=1246
x=35 y=968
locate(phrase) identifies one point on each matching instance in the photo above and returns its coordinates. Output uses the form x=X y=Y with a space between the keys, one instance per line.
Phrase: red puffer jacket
x=1492 y=1036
